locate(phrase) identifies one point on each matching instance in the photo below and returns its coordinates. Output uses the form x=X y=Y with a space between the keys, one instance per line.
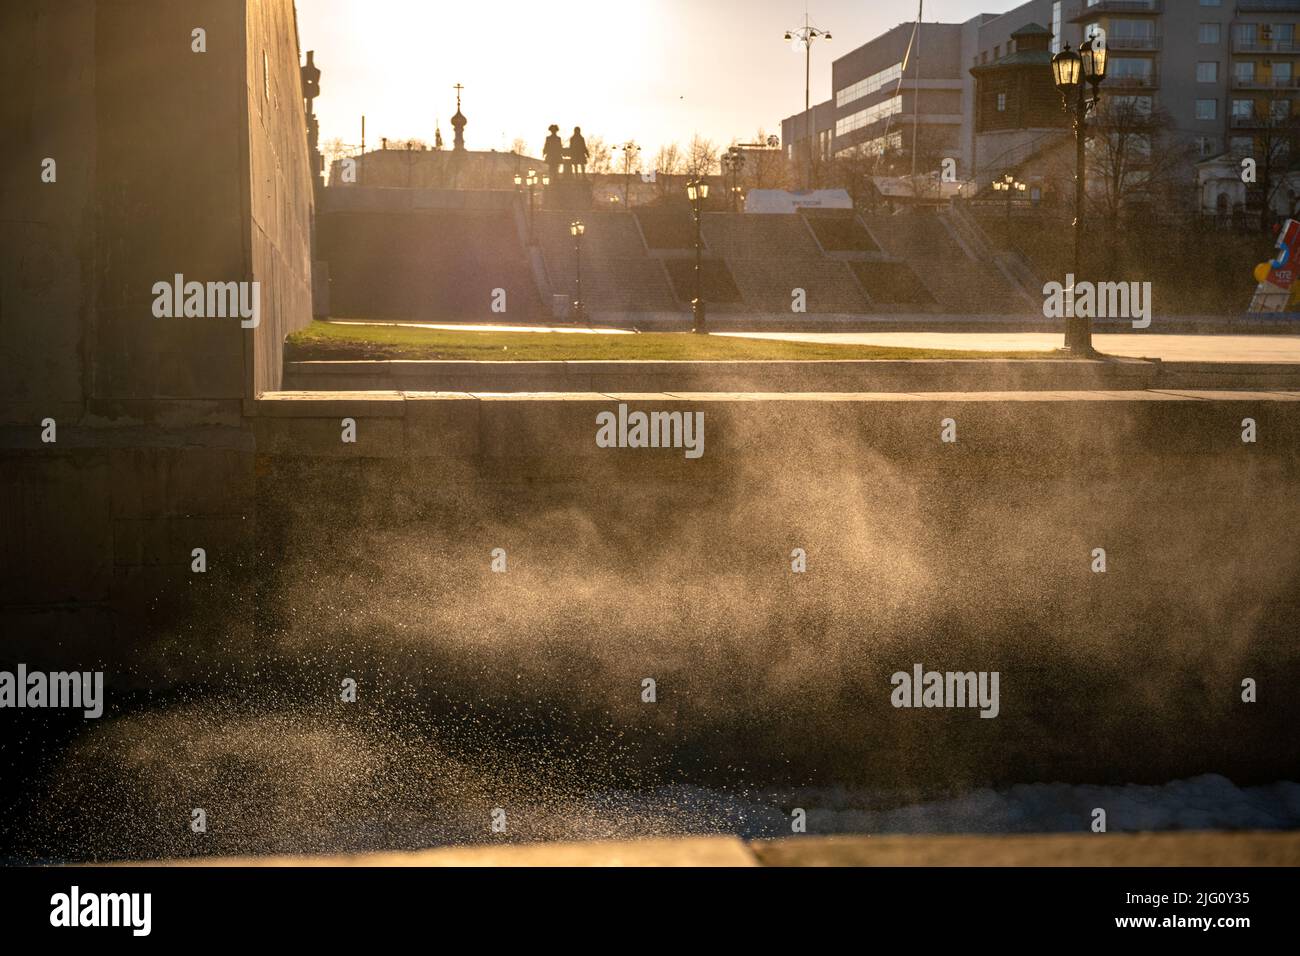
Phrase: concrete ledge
x=1119 y=849
x=556 y=431
x=870 y=375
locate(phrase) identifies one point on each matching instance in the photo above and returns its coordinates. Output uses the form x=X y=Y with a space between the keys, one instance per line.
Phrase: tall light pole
x=531 y=182
x=804 y=36
x=1073 y=73
x=577 y=229
x=733 y=161
x=697 y=190
x=630 y=151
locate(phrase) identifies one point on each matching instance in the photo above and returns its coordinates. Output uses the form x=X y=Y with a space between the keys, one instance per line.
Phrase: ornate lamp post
x=531 y=181
x=1011 y=186
x=1073 y=73
x=804 y=37
x=630 y=151
x=697 y=190
x=733 y=162
x=577 y=229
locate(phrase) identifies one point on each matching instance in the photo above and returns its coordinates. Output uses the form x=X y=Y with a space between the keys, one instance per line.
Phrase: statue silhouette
x=553 y=151
x=578 y=153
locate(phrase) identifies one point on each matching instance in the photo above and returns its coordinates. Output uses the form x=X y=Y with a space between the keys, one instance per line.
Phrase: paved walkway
x=1170 y=348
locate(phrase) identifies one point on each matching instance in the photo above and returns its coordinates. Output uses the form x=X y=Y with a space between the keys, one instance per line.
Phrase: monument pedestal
x=569 y=193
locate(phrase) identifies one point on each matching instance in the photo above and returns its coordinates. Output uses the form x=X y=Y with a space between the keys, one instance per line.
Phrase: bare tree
x=701 y=157
x=600 y=158
x=931 y=146
x=852 y=170
x=669 y=163
x=519 y=147
x=1132 y=159
x=1277 y=154
x=333 y=150
x=766 y=168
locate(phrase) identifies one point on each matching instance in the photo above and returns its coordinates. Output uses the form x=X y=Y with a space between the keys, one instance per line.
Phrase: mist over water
x=523 y=690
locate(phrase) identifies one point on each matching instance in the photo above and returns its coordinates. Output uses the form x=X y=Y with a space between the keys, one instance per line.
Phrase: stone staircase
x=949 y=270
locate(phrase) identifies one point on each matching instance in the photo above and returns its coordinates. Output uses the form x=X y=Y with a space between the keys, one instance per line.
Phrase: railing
x=1261 y=46
x=1271 y=83
x=1102 y=7
x=1268 y=6
x=1250 y=122
x=1139 y=44
x=1147 y=82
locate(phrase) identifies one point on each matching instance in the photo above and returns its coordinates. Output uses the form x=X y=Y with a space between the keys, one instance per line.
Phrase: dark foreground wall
x=373 y=561
x=166 y=161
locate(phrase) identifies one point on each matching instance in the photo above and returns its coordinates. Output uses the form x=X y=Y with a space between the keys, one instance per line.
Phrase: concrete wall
x=47 y=110
x=627 y=563
x=279 y=178
x=373 y=560
x=167 y=163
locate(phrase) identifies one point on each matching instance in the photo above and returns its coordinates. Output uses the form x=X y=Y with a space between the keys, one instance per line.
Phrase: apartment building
x=1227 y=73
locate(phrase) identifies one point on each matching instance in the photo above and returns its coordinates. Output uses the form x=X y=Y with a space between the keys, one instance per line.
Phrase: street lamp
x=733 y=161
x=531 y=181
x=1072 y=71
x=577 y=229
x=804 y=36
x=697 y=190
x=630 y=150
x=1011 y=186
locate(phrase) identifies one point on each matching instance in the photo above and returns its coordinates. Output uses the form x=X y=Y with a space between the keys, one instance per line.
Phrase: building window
x=1244 y=71
x=1056 y=27
x=1140 y=105
x=868 y=116
x=1128 y=29
x=1243 y=109
x=1242 y=145
x=1135 y=70
x=1247 y=34
x=1282 y=74
x=871 y=84
x=1207 y=72
x=1209 y=33
x=1280 y=110
x=1205 y=146
x=1002 y=102
x=1207 y=109
x=883 y=144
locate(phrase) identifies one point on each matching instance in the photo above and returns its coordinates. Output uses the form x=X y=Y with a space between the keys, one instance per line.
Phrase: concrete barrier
x=947 y=375
x=922 y=375
x=377 y=559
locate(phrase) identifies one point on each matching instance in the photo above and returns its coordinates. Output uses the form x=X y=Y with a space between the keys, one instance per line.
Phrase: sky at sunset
x=656 y=71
